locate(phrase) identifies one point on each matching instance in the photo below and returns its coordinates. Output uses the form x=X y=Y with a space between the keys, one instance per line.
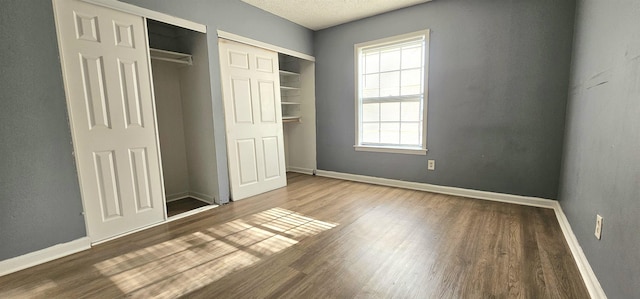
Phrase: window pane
x=390 y=84
x=390 y=133
x=390 y=60
x=411 y=82
x=411 y=57
x=371 y=112
x=410 y=111
x=410 y=134
x=390 y=111
x=371 y=63
x=370 y=133
x=371 y=88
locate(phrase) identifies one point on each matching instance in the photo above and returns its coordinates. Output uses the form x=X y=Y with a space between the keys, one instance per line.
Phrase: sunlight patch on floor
x=140 y=257
x=27 y=291
x=182 y=265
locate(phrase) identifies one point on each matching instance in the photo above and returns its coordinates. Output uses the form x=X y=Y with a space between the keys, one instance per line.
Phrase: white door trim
x=259 y=44
x=149 y=14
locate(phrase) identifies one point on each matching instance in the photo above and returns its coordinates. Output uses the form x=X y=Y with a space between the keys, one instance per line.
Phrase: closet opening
x=181 y=84
x=297 y=91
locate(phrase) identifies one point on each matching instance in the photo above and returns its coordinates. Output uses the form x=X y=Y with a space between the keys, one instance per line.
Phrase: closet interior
x=297 y=90
x=181 y=81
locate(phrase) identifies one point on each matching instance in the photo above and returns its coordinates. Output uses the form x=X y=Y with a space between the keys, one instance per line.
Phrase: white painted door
x=251 y=95
x=107 y=79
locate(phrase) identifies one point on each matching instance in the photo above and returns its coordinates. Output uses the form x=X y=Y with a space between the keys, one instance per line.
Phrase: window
x=391 y=79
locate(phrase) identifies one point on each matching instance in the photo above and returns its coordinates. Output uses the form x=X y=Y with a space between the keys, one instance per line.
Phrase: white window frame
x=382 y=42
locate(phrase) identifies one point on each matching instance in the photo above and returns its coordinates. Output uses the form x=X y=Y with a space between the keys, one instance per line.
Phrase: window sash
x=417 y=41
x=407 y=86
x=416 y=97
x=393 y=99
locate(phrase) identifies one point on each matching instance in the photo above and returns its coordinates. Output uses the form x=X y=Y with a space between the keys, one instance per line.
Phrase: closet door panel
x=248 y=166
x=271 y=161
x=241 y=97
x=95 y=95
x=267 y=101
x=266 y=64
x=251 y=97
x=108 y=189
x=130 y=92
x=124 y=35
x=107 y=80
x=139 y=166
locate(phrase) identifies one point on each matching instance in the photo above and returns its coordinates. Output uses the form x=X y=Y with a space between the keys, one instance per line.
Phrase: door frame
x=259 y=44
x=149 y=14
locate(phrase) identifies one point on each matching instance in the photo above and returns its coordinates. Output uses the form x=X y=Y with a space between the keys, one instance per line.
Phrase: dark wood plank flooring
x=325 y=238
x=183 y=205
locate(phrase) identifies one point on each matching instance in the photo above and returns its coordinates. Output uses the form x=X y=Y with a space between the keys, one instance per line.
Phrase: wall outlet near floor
x=431 y=164
x=598 y=232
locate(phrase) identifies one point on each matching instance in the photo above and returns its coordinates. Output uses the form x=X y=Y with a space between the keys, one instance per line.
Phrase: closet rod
x=170 y=56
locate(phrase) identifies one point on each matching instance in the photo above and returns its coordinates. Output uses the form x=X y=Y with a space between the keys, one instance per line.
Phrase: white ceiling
x=320 y=14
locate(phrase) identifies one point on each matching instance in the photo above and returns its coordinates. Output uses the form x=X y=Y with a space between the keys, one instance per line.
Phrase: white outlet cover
x=598 y=232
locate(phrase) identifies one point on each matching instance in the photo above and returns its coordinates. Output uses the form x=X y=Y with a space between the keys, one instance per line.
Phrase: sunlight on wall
x=187 y=263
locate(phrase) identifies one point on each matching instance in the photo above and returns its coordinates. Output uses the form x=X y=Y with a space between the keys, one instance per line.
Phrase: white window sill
x=393 y=150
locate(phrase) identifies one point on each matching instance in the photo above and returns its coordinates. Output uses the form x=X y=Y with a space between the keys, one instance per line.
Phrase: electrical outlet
x=598 y=232
x=431 y=164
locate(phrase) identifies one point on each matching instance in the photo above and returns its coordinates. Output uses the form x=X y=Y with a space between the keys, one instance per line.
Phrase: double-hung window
x=391 y=97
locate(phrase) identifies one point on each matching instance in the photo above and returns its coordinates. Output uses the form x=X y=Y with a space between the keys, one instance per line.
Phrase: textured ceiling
x=320 y=14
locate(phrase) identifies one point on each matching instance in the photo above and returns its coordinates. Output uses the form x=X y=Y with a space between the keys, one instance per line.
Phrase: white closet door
x=107 y=79
x=251 y=94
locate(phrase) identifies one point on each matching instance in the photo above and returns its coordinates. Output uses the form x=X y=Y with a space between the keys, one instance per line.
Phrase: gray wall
x=601 y=169
x=40 y=202
x=498 y=83
x=236 y=17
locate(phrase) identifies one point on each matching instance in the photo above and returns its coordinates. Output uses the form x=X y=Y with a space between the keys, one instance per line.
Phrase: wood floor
x=183 y=205
x=325 y=238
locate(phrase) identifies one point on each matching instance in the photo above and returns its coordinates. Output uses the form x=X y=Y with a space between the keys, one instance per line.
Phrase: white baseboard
x=190 y=194
x=202 y=197
x=588 y=276
x=493 y=196
x=61 y=250
x=308 y=171
x=177 y=196
x=44 y=255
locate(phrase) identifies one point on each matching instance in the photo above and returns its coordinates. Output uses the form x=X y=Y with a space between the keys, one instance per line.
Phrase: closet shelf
x=288 y=73
x=288 y=88
x=171 y=56
x=291 y=119
x=289 y=103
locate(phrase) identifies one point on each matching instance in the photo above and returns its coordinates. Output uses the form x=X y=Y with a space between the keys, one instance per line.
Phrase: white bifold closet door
x=251 y=95
x=107 y=79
